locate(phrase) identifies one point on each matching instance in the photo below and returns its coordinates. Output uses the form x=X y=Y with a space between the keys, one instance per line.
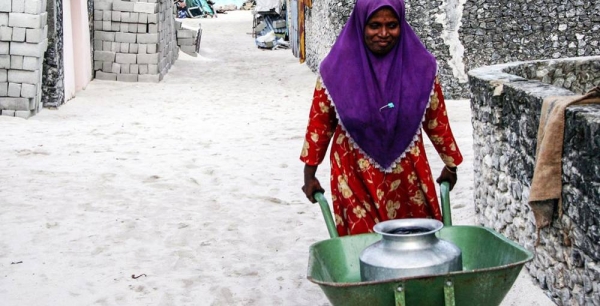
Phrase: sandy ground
x=185 y=192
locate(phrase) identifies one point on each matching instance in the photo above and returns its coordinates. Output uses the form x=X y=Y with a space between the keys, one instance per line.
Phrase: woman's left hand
x=448 y=175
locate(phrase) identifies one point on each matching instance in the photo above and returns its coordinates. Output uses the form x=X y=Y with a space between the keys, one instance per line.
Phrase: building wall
x=81 y=45
x=465 y=34
x=23 y=32
x=506 y=103
x=68 y=52
x=76 y=47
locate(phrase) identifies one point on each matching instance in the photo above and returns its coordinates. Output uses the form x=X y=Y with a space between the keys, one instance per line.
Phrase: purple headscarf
x=361 y=83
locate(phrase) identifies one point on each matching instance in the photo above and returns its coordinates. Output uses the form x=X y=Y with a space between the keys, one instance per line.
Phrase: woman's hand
x=448 y=175
x=311 y=183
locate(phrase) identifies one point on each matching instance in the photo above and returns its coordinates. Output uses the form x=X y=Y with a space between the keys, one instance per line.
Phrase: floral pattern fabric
x=362 y=194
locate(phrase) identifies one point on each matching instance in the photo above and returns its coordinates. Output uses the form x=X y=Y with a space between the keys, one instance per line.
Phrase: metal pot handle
x=444 y=195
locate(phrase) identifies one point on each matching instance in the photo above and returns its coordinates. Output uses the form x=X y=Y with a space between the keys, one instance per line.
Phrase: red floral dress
x=362 y=194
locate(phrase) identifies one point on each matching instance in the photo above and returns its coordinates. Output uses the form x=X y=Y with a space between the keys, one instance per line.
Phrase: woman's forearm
x=309 y=172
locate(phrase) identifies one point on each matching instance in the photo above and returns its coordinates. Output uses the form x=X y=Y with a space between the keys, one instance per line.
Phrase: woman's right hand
x=311 y=183
x=310 y=188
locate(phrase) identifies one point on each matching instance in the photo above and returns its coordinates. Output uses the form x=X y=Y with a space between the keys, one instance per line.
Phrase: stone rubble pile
x=134 y=40
x=23 y=32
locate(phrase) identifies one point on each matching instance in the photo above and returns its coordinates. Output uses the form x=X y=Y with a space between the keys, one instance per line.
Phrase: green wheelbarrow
x=491 y=264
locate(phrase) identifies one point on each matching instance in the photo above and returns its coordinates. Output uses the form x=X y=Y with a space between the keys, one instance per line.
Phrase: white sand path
x=192 y=183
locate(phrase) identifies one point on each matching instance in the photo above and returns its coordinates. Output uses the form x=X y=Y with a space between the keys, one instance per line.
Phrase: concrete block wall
x=187 y=39
x=134 y=40
x=23 y=41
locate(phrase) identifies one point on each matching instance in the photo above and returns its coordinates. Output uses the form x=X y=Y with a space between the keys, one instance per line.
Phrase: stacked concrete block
x=23 y=41
x=133 y=40
x=188 y=40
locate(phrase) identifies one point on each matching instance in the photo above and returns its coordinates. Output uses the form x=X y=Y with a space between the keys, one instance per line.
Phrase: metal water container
x=408 y=248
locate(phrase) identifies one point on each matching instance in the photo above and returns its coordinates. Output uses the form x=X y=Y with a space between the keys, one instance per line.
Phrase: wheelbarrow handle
x=444 y=195
x=326 y=214
x=445 y=198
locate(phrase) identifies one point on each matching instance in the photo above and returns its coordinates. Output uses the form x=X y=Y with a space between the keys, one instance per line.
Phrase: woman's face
x=382 y=31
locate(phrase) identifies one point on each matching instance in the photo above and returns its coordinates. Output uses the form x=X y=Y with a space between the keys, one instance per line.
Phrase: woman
x=378 y=88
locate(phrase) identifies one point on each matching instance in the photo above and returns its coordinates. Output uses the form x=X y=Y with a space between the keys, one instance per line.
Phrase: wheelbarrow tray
x=491 y=264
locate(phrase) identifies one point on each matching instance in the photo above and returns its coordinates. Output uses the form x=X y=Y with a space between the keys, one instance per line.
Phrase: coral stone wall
x=464 y=35
x=323 y=24
x=578 y=76
x=53 y=89
x=508 y=31
x=506 y=105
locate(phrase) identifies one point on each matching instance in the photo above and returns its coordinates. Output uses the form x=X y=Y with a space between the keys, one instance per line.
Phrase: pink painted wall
x=76 y=47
